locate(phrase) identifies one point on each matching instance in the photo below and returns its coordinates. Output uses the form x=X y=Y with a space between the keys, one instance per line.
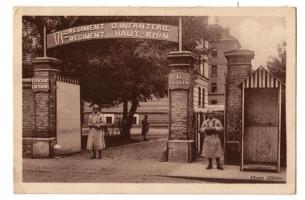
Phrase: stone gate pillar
x=44 y=88
x=238 y=68
x=180 y=144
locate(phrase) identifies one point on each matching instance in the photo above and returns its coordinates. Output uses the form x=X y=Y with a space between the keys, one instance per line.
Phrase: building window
x=214 y=70
x=214 y=102
x=205 y=69
x=199 y=96
x=214 y=53
x=203 y=97
x=109 y=118
x=214 y=88
x=201 y=69
x=135 y=119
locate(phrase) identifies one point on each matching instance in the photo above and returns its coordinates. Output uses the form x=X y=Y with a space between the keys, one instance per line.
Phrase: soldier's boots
x=219 y=166
x=94 y=157
x=210 y=166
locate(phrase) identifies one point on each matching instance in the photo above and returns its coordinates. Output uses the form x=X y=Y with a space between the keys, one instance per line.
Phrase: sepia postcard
x=147 y=100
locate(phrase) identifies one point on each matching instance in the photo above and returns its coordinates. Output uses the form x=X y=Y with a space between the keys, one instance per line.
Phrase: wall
x=203 y=84
x=239 y=67
x=179 y=118
x=156 y=109
x=221 y=62
x=68 y=117
x=46 y=106
x=155 y=119
x=216 y=99
x=236 y=74
x=28 y=117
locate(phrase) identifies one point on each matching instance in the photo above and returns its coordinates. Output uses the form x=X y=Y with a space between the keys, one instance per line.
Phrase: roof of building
x=154 y=106
x=225 y=34
x=261 y=78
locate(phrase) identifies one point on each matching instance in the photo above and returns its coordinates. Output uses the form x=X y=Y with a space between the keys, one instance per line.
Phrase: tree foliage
x=32 y=38
x=277 y=64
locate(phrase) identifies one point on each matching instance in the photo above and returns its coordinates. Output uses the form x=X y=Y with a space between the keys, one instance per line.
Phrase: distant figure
x=96 y=140
x=212 y=129
x=145 y=127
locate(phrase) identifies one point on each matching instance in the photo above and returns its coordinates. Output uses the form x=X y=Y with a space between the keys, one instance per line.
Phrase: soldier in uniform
x=212 y=129
x=96 y=140
x=145 y=127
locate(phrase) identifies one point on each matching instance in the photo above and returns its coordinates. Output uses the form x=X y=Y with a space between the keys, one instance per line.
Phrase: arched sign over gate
x=136 y=30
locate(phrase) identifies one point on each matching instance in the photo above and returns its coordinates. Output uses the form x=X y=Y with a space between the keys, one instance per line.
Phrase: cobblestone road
x=135 y=163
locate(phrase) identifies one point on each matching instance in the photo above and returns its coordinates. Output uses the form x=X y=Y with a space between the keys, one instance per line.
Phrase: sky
x=259 y=34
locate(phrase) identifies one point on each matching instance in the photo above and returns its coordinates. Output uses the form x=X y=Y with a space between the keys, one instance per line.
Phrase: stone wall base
x=38 y=147
x=181 y=151
x=233 y=153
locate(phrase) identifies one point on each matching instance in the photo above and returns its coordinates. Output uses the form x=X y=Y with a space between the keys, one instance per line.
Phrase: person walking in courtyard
x=96 y=137
x=145 y=127
x=212 y=129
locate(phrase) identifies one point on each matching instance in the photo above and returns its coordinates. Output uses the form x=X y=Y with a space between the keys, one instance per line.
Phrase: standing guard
x=96 y=140
x=145 y=127
x=212 y=128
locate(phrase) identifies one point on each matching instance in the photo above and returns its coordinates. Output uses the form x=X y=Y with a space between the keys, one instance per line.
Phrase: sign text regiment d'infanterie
x=113 y=30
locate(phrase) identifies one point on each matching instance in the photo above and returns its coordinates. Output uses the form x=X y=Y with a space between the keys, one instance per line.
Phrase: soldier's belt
x=210 y=132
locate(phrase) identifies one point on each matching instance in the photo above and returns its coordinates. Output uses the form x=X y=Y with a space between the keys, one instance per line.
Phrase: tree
x=110 y=73
x=32 y=42
x=119 y=71
x=277 y=65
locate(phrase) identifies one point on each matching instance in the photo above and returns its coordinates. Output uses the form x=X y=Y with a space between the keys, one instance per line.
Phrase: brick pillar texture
x=44 y=135
x=239 y=67
x=181 y=144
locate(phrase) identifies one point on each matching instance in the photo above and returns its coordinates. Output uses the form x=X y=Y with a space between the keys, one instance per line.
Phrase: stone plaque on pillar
x=181 y=144
x=40 y=84
x=179 y=80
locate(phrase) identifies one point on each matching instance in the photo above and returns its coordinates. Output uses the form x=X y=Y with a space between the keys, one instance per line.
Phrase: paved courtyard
x=135 y=163
x=131 y=163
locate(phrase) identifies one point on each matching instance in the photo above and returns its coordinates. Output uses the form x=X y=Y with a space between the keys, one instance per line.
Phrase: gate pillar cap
x=182 y=59
x=46 y=63
x=174 y=54
x=238 y=52
x=239 y=56
x=46 y=60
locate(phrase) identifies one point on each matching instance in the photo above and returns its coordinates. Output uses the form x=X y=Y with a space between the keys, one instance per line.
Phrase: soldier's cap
x=95 y=106
x=210 y=111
